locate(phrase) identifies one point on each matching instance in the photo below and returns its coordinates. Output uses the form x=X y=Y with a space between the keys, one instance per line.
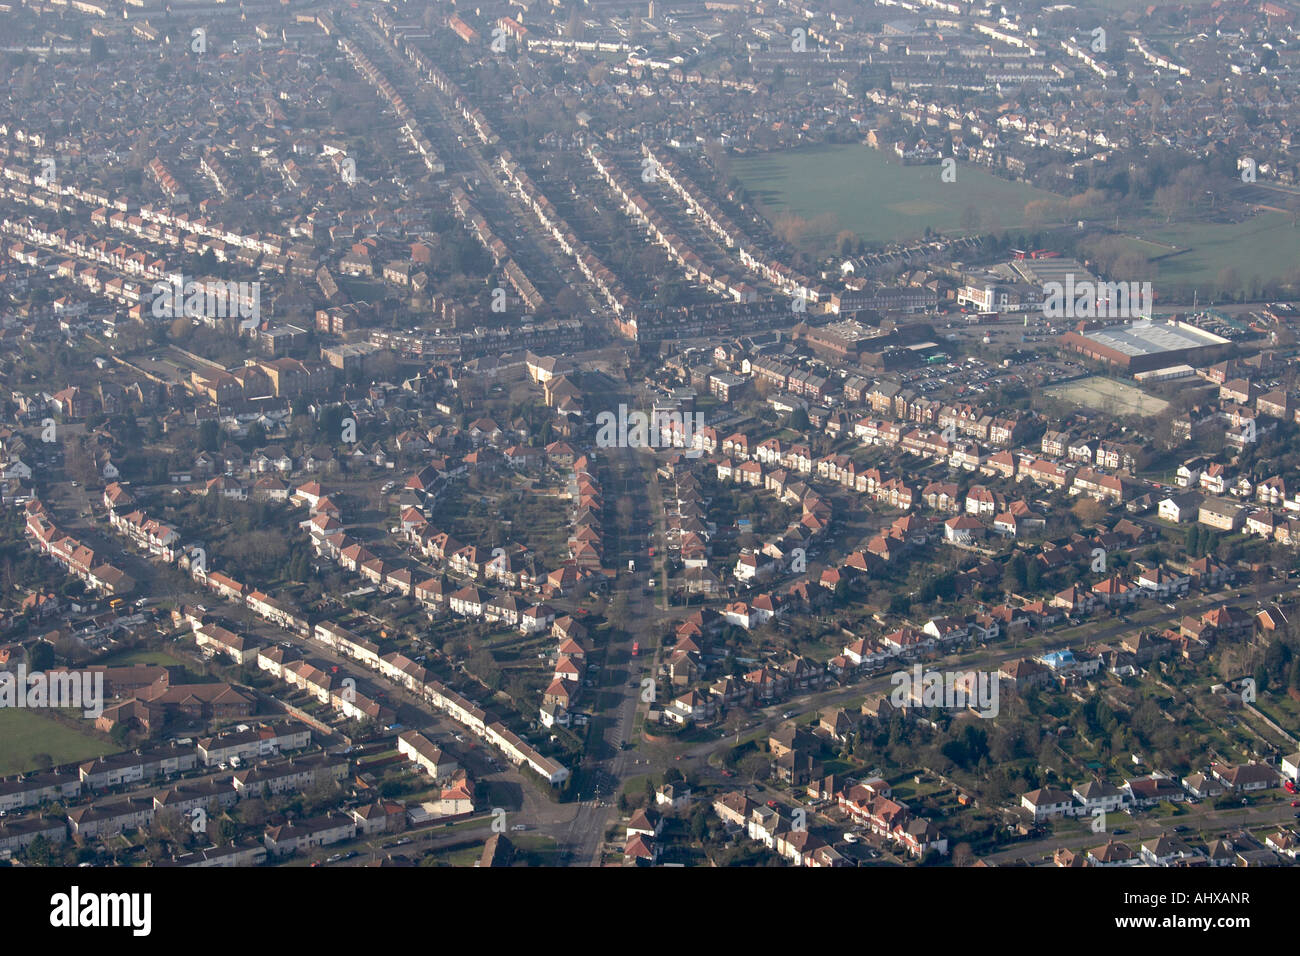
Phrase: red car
x=772 y=804
x=1295 y=803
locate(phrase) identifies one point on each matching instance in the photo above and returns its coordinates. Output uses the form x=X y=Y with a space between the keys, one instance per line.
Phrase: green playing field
x=876 y=197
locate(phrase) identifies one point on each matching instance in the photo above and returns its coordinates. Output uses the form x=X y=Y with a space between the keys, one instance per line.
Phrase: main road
x=618 y=690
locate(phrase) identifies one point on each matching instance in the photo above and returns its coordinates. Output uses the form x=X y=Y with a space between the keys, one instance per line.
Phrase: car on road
x=335 y=858
x=788 y=714
x=519 y=826
x=772 y=804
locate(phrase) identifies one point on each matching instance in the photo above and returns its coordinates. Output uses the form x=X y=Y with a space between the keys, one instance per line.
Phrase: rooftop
x=1149 y=338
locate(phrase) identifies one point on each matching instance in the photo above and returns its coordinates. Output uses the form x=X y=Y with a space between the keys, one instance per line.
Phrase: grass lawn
x=535 y=850
x=26 y=733
x=873 y=195
x=1262 y=246
x=143 y=656
x=635 y=785
x=466 y=856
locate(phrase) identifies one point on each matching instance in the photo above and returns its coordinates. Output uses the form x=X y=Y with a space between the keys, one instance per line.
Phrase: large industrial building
x=1146 y=345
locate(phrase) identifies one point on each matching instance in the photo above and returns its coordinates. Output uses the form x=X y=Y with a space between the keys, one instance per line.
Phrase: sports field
x=24 y=733
x=1108 y=396
x=1263 y=247
x=876 y=197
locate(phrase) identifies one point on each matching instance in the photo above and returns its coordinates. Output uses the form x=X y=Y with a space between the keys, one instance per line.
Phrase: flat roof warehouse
x=1149 y=338
x=1142 y=346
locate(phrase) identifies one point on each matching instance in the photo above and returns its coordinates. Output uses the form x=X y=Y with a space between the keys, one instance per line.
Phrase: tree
x=1089 y=511
x=209 y=435
x=253 y=812
x=756 y=766
x=40 y=852
x=223 y=830
x=40 y=657
x=700 y=825
x=1016 y=574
